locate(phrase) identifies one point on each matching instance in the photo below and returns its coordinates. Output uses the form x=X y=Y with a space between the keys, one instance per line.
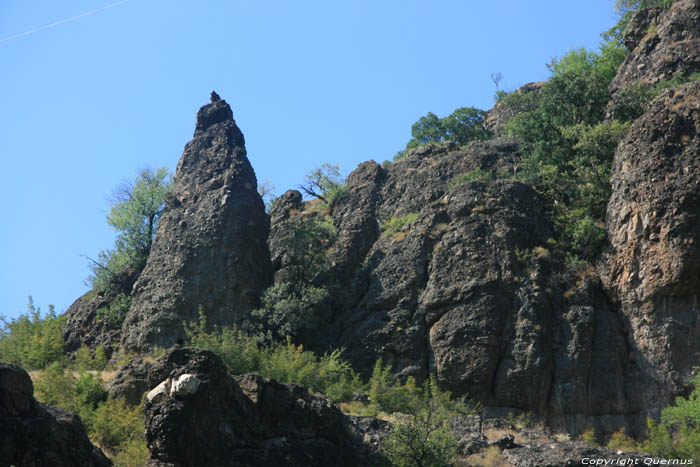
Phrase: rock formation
x=209 y=252
x=86 y=327
x=653 y=223
x=34 y=434
x=662 y=44
x=242 y=421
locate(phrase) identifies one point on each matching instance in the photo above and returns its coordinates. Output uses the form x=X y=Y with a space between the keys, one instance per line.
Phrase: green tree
x=461 y=126
x=134 y=213
x=324 y=183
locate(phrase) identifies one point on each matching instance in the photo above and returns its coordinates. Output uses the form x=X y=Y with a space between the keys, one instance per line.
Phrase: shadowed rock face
x=210 y=249
x=34 y=434
x=653 y=223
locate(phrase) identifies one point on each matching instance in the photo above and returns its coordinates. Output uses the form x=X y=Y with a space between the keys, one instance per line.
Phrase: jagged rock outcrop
x=653 y=223
x=210 y=249
x=242 y=421
x=467 y=289
x=34 y=434
x=662 y=43
x=85 y=326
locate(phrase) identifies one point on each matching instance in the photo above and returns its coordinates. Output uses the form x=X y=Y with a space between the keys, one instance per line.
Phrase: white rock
x=185 y=385
x=159 y=392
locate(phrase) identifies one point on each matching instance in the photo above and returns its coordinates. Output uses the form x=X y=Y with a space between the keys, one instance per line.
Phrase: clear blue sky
x=85 y=104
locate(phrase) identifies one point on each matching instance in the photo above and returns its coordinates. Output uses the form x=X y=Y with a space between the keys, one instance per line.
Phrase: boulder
x=245 y=420
x=34 y=434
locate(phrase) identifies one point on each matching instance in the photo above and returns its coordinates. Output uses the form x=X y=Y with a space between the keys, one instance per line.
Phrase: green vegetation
x=462 y=126
x=626 y=9
x=476 y=174
x=32 y=341
x=677 y=434
x=423 y=437
x=324 y=183
x=116 y=311
x=111 y=424
x=634 y=99
x=568 y=148
x=394 y=225
x=134 y=213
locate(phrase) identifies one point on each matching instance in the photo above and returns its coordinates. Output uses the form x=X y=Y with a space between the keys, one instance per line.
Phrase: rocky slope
x=210 y=249
x=34 y=434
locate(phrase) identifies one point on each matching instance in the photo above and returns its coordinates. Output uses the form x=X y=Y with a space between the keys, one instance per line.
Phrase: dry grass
x=489 y=457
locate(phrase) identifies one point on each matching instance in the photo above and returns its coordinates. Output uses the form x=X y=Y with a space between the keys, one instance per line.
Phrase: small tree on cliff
x=134 y=213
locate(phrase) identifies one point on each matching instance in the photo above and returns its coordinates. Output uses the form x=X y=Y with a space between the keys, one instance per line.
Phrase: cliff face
x=653 y=223
x=210 y=249
x=661 y=44
x=468 y=289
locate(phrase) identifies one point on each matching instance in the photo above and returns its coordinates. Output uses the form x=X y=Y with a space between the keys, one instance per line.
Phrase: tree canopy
x=134 y=213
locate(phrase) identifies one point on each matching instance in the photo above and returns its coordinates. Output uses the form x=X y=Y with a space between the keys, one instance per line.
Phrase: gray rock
x=210 y=251
x=245 y=420
x=653 y=224
x=34 y=434
x=662 y=43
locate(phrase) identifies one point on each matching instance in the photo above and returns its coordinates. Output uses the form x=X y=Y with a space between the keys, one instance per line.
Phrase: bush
x=286 y=312
x=476 y=174
x=620 y=440
x=677 y=435
x=425 y=438
x=398 y=224
x=134 y=213
x=117 y=424
x=116 y=311
x=328 y=374
x=30 y=340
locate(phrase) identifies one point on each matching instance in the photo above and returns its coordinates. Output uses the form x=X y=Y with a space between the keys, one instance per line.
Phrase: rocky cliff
x=444 y=262
x=209 y=252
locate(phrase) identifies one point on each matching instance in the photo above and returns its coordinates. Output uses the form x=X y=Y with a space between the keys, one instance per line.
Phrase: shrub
x=589 y=437
x=116 y=424
x=134 y=213
x=620 y=440
x=30 y=340
x=424 y=438
x=476 y=174
x=677 y=435
x=116 y=311
x=286 y=312
x=324 y=183
x=398 y=224
x=462 y=126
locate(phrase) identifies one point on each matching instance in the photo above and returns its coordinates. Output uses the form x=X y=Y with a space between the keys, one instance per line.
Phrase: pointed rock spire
x=210 y=252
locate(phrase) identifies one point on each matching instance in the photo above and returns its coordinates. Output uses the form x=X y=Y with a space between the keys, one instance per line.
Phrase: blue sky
x=87 y=103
